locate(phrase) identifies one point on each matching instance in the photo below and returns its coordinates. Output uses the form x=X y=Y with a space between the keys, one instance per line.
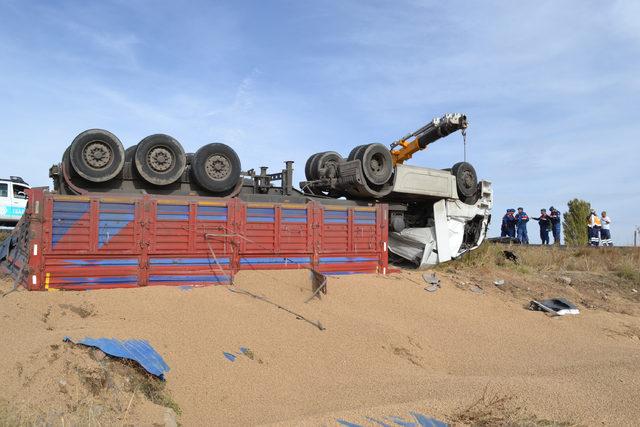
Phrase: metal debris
x=433 y=282
x=555 y=306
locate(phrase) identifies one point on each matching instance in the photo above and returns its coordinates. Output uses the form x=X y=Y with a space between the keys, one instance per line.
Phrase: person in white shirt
x=605 y=232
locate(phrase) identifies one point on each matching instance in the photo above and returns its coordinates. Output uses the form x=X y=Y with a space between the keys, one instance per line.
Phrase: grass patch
x=140 y=381
x=498 y=410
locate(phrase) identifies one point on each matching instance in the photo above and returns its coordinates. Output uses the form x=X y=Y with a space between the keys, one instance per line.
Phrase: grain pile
x=389 y=348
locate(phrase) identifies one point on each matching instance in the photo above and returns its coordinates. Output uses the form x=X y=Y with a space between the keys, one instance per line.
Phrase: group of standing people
x=514 y=225
x=599 y=229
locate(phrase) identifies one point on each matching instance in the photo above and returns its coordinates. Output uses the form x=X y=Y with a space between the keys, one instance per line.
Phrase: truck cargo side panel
x=106 y=241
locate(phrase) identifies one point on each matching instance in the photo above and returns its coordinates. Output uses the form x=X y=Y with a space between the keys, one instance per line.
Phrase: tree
x=575 y=222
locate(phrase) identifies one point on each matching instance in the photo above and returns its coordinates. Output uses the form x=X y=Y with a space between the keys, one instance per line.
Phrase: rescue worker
x=605 y=232
x=554 y=217
x=521 y=222
x=509 y=224
x=545 y=225
x=593 y=222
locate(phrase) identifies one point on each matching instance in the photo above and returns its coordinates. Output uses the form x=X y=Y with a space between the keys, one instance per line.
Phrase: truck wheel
x=308 y=171
x=325 y=165
x=130 y=154
x=96 y=155
x=354 y=153
x=466 y=180
x=377 y=164
x=160 y=159
x=216 y=167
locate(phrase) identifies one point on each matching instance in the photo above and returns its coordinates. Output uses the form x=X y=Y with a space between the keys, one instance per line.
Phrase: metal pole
x=464 y=142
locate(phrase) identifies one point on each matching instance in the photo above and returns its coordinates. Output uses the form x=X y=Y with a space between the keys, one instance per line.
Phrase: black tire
x=160 y=159
x=96 y=155
x=216 y=167
x=354 y=153
x=130 y=154
x=308 y=171
x=377 y=164
x=466 y=180
x=323 y=161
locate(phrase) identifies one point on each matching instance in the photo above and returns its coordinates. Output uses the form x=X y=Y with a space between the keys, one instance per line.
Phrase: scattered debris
x=635 y=291
x=318 y=284
x=432 y=280
x=477 y=289
x=137 y=350
x=555 y=306
x=244 y=351
x=510 y=256
x=499 y=282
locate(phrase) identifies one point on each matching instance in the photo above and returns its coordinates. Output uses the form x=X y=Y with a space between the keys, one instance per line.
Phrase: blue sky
x=551 y=88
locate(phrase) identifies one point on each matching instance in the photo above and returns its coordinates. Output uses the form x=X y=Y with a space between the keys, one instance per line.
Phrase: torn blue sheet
x=419 y=420
x=137 y=350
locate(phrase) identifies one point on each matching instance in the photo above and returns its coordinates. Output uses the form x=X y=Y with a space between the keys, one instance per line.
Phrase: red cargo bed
x=107 y=241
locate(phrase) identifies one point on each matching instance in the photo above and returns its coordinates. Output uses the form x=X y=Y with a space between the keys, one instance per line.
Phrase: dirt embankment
x=467 y=353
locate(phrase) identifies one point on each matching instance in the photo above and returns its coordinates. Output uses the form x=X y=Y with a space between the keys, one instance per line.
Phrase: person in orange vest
x=594 y=224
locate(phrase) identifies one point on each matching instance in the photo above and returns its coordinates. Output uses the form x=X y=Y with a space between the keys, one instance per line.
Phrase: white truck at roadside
x=13 y=200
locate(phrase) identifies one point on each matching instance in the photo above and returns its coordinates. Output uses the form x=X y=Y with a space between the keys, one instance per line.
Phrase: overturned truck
x=155 y=215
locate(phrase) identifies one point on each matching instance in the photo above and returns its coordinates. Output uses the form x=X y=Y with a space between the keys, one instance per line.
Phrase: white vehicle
x=13 y=200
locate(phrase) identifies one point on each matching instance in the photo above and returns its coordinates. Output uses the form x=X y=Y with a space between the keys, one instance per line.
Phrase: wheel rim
x=376 y=164
x=467 y=180
x=160 y=159
x=97 y=154
x=217 y=167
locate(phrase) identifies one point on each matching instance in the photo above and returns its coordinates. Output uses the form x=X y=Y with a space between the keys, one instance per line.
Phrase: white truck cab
x=13 y=200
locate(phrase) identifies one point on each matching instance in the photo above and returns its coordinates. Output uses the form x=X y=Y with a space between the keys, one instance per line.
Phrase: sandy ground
x=389 y=348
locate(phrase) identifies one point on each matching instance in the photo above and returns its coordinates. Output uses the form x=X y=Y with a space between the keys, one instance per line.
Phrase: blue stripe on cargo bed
x=113 y=218
x=65 y=216
x=340 y=259
x=192 y=279
x=260 y=219
x=173 y=217
x=294 y=212
x=365 y=221
x=211 y=217
x=294 y=219
x=212 y=209
x=95 y=280
x=187 y=261
x=341 y=273
x=365 y=214
x=261 y=211
x=165 y=209
x=101 y=262
x=287 y=260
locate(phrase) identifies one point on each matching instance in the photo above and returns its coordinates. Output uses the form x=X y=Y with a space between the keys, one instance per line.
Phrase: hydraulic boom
x=431 y=132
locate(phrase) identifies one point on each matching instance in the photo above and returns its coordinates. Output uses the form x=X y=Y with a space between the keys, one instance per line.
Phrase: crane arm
x=437 y=128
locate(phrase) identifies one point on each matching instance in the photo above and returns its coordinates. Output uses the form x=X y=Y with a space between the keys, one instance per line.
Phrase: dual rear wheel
x=375 y=160
x=98 y=156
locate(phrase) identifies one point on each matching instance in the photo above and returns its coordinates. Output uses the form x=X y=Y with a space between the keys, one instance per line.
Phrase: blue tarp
x=417 y=420
x=137 y=350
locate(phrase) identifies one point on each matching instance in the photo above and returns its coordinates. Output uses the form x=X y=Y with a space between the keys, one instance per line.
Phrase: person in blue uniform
x=509 y=224
x=545 y=225
x=555 y=218
x=521 y=225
